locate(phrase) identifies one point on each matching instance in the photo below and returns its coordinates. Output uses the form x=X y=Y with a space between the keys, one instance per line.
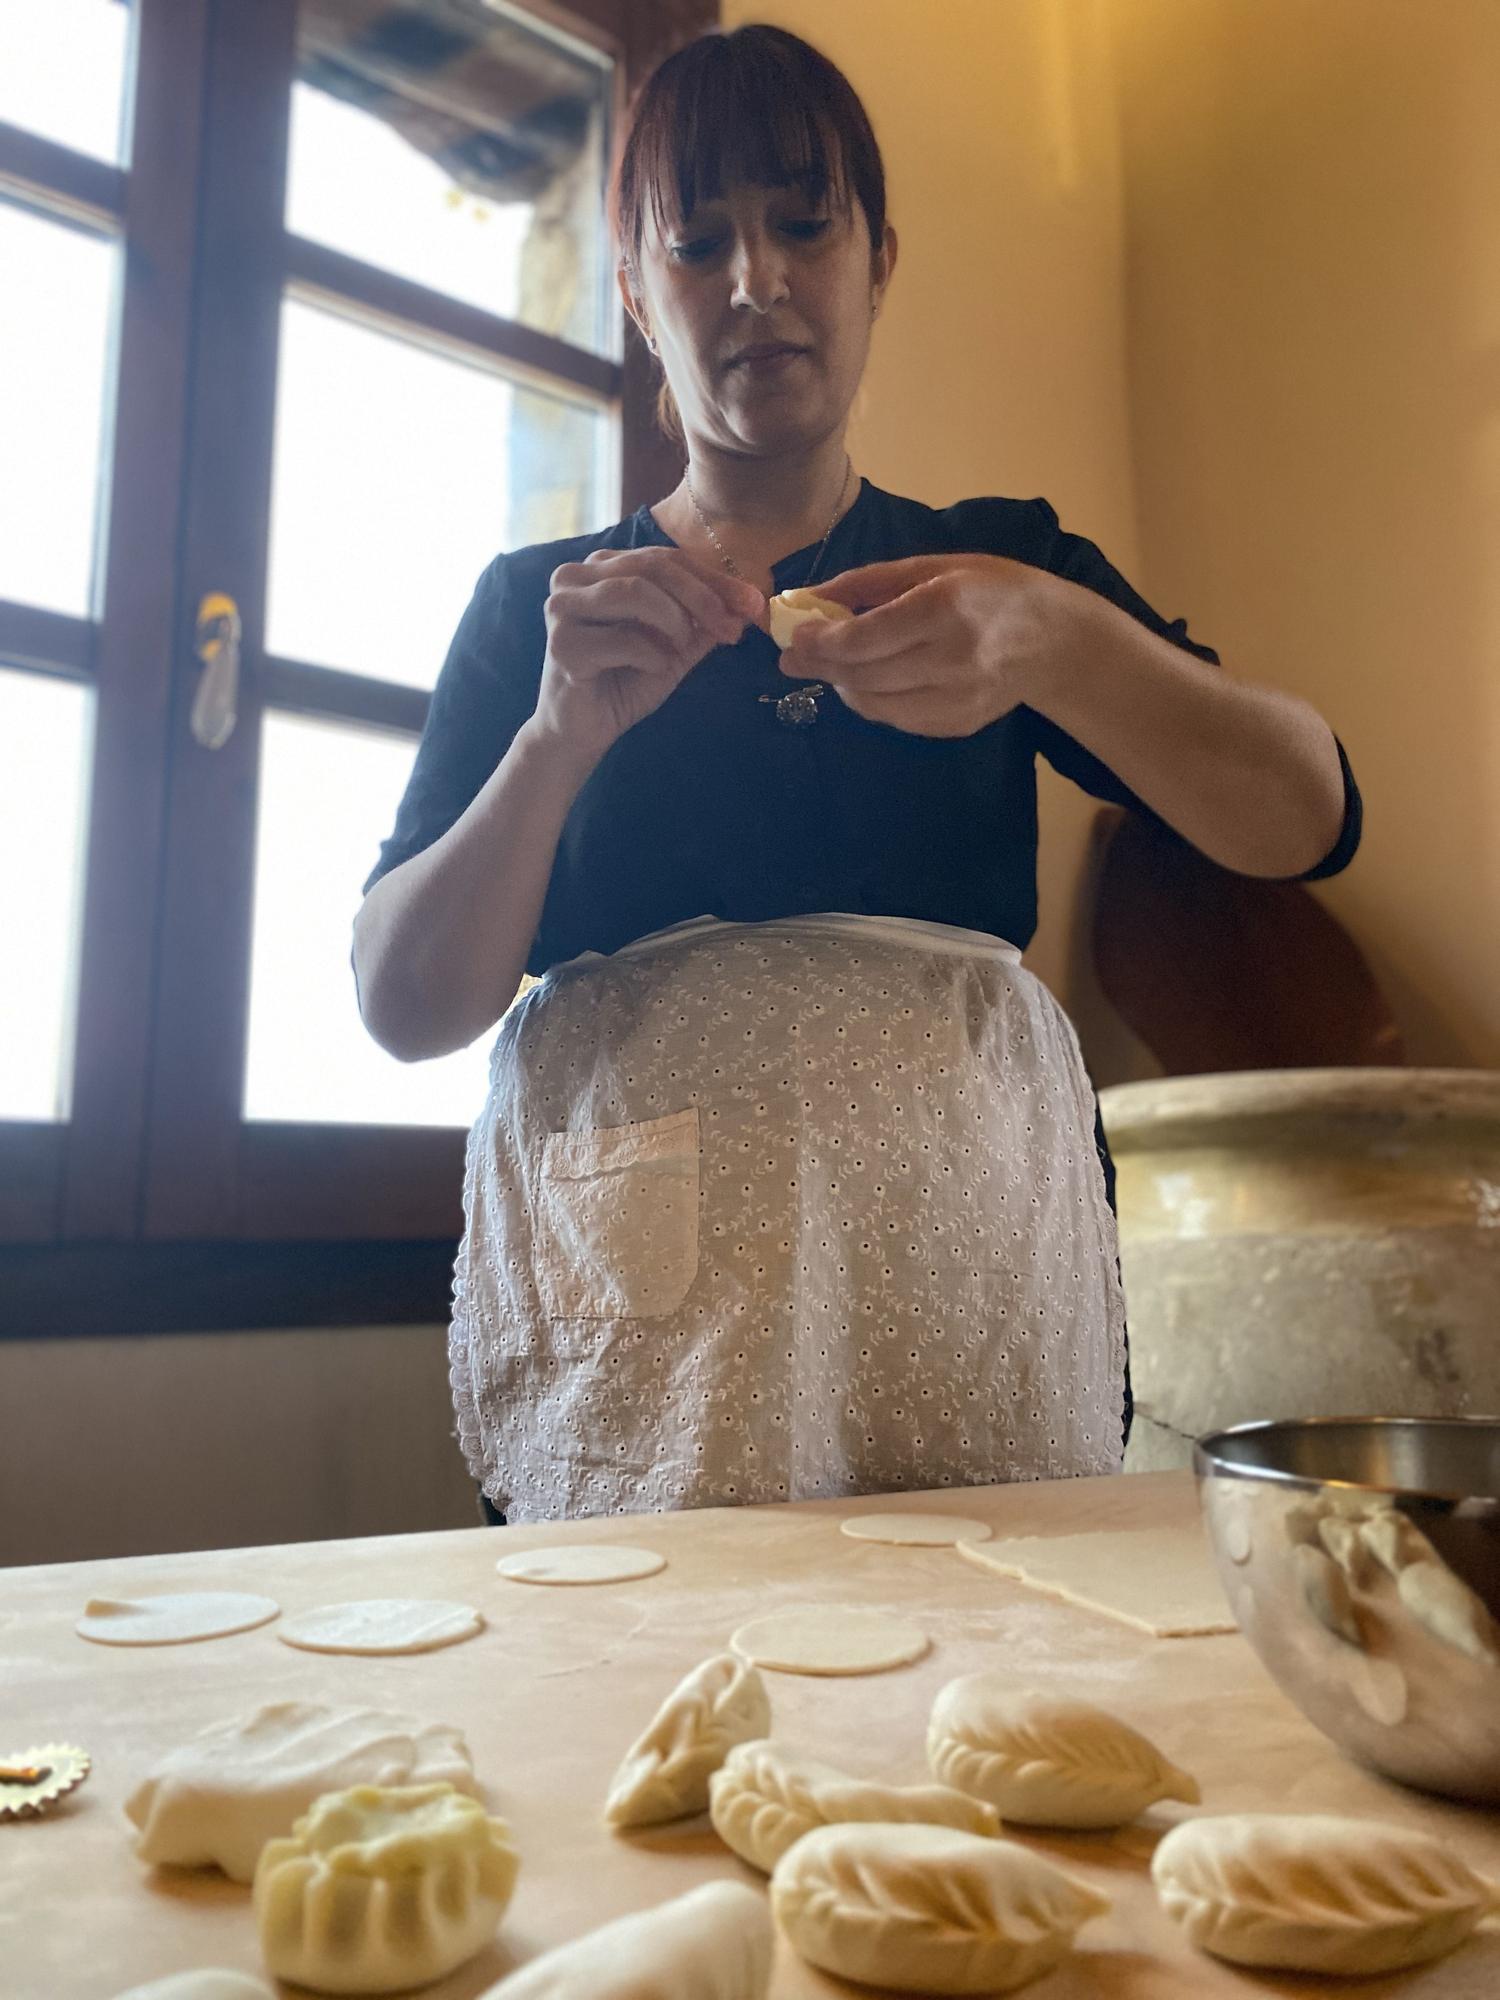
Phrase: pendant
x=798 y=709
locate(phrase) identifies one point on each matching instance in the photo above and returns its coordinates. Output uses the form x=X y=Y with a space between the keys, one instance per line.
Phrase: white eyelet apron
x=775 y=1211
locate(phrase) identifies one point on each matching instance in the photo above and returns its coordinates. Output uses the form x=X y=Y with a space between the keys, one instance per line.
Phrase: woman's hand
x=947 y=644
x=624 y=628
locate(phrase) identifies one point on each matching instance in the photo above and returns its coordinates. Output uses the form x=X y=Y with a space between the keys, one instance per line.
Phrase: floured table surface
x=551 y=1693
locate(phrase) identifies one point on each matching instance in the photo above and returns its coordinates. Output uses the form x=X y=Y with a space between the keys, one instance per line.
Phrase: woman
x=787 y=1180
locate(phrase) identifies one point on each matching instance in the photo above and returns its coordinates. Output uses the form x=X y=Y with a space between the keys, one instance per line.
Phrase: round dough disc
x=828 y=1639
x=581 y=1562
x=173 y=1617
x=916 y=1531
x=382 y=1625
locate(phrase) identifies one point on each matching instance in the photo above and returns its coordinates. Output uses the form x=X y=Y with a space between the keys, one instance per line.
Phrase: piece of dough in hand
x=928 y=1909
x=1046 y=1760
x=791 y=608
x=1317 y=1893
x=376 y=1890
x=664 y=1774
x=766 y=1798
x=715 y=1943
x=215 y=1800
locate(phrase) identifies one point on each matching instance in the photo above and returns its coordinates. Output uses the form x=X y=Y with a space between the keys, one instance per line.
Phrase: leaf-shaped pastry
x=766 y=1798
x=715 y=1943
x=927 y=1908
x=1045 y=1760
x=1316 y=1893
x=1452 y=1612
x=665 y=1772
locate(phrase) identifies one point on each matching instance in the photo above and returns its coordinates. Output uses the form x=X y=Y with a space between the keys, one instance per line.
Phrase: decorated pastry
x=378 y=1889
x=926 y=1908
x=765 y=1798
x=1317 y=1894
x=665 y=1772
x=215 y=1800
x=1044 y=1759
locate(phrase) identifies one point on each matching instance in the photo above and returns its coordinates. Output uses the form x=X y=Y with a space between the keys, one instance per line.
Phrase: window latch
x=217 y=644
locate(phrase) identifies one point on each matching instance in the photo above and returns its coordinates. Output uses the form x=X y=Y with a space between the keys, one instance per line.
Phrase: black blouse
x=712 y=806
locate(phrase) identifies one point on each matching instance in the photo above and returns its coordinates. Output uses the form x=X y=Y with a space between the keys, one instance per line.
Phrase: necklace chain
x=728 y=560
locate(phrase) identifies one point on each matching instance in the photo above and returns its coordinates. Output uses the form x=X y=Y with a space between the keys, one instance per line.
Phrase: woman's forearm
x=440 y=943
x=1249 y=775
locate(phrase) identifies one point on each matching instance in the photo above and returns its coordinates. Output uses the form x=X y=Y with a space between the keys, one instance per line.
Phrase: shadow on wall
x=1313 y=328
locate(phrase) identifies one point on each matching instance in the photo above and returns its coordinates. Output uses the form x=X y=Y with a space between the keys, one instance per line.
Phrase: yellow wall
x=1222 y=279
x=1313 y=298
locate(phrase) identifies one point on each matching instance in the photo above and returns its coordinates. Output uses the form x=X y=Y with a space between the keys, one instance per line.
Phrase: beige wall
x=1220 y=278
x=999 y=364
x=1313 y=330
x=225 y=1440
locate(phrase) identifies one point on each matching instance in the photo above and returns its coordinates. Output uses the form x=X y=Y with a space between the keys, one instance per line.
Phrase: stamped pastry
x=927 y=1909
x=766 y=1798
x=1044 y=1759
x=665 y=1772
x=378 y=1889
x=1317 y=1894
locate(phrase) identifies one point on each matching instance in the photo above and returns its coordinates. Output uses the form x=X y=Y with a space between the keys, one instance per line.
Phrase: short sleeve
x=485 y=691
x=1051 y=547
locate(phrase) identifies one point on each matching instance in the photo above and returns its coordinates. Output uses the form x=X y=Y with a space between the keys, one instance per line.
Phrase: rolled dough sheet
x=173 y=1618
x=916 y=1531
x=581 y=1562
x=382 y=1625
x=1161 y=1580
x=828 y=1639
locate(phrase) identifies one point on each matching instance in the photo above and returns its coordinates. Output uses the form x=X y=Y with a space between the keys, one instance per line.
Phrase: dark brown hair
x=757 y=105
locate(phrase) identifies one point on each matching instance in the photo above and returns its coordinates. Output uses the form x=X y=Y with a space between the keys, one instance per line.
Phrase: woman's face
x=760 y=266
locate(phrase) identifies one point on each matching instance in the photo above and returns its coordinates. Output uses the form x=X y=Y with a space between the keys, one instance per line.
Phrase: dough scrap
x=715 y=1943
x=925 y=1908
x=211 y=1983
x=581 y=1562
x=215 y=1800
x=1343 y=1541
x=1396 y=1541
x=791 y=608
x=1317 y=1893
x=1160 y=1580
x=380 y=1888
x=916 y=1531
x=174 y=1617
x=382 y=1625
x=664 y=1774
x=828 y=1639
x=1046 y=1760
x=767 y=1797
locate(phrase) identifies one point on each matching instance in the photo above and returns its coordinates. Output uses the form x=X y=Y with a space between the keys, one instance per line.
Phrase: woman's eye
x=697 y=248
x=807 y=230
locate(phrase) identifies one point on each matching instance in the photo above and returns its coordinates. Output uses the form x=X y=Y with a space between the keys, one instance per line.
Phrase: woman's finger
x=705 y=594
x=877 y=583
x=901 y=626
x=631 y=599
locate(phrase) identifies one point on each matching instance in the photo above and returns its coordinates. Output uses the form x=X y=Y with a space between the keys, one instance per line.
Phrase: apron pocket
x=617 y=1222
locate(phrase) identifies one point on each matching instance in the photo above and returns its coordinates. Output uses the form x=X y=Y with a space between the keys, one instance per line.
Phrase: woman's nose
x=758 y=267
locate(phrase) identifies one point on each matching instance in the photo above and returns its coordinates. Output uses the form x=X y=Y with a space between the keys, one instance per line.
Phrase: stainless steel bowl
x=1361 y=1557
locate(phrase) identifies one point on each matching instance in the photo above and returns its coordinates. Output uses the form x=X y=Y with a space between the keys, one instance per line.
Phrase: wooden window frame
x=109 y=1221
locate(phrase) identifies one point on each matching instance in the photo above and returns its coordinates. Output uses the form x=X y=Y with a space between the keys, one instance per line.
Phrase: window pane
x=328 y=795
x=460 y=146
x=45 y=731
x=55 y=313
x=398 y=474
x=62 y=71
